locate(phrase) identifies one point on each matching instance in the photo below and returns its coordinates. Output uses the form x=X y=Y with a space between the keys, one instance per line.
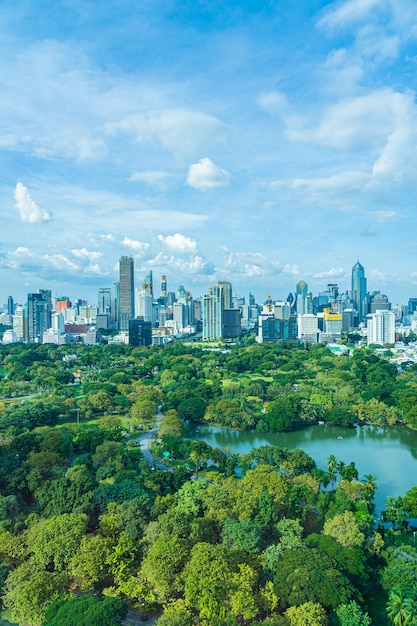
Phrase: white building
x=381 y=327
x=308 y=327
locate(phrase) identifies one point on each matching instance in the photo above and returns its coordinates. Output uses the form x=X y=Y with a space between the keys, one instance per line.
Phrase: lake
x=389 y=453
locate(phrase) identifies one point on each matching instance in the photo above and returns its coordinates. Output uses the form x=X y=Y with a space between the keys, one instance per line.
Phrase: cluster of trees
x=270 y=387
x=87 y=527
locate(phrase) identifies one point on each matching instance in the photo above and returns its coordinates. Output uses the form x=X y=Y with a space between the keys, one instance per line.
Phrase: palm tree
x=400 y=610
x=331 y=467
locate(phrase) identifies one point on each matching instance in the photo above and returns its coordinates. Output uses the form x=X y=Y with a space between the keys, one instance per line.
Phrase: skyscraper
x=126 y=292
x=163 y=287
x=381 y=327
x=227 y=293
x=213 y=313
x=147 y=284
x=358 y=294
x=301 y=297
x=39 y=314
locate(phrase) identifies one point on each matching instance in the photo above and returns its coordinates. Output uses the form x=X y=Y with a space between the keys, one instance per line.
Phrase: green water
x=389 y=453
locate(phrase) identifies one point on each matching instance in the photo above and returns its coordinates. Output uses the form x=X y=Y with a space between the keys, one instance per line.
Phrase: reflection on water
x=387 y=452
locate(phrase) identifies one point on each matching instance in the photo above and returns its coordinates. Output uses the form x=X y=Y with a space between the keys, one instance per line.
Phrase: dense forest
x=199 y=536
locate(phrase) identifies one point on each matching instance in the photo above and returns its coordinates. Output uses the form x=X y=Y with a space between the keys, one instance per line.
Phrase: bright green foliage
x=345 y=530
x=352 y=615
x=176 y=613
x=54 y=541
x=88 y=565
x=401 y=609
x=216 y=584
x=163 y=564
x=307 y=614
x=29 y=591
x=86 y=611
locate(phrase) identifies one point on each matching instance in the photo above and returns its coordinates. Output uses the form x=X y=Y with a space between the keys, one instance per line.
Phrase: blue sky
x=258 y=142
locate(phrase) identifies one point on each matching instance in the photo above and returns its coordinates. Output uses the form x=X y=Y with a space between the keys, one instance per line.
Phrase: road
x=145 y=441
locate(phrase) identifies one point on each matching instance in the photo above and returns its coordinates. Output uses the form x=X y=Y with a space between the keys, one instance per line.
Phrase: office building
x=213 y=314
x=20 y=323
x=308 y=327
x=358 y=293
x=381 y=327
x=140 y=333
x=39 y=309
x=126 y=292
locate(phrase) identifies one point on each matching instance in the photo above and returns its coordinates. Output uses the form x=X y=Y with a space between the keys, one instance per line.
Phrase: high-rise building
x=126 y=292
x=104 y=301
x=10 y=305
x=140 y=333
x=358 y=295
x=143 y=304
x=381 y=327
x=147 y=284
x=212 y=313
x=164 y=287
x=20 y=323
x=115 y=306
x=62 y=303
x=227 y=293
x=301 y=291
x=379 y=302
x=39 y=314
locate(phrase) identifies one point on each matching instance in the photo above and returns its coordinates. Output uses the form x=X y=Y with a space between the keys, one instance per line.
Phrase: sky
x=261 y=142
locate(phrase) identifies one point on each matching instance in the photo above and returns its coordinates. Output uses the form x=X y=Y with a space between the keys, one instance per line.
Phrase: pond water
x=389 y=453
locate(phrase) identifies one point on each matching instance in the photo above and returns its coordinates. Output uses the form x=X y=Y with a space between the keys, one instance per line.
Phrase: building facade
x=126 y=292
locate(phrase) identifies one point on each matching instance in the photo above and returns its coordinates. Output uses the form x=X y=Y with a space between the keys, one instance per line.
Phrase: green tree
x=86 y=611
x=163 y=564
x=53 y=541
x=307 y=614
x=176 y=613
x=29 y=591
x=351 y=614
x=401 y=610
x=345 y=529
x=88 y=565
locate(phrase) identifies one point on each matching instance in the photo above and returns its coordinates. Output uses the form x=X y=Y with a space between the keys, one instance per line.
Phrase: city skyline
x=264 y=145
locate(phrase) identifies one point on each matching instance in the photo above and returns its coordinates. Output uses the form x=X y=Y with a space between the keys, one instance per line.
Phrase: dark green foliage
x=86 y=611
x=118 y=492
x=310 y=575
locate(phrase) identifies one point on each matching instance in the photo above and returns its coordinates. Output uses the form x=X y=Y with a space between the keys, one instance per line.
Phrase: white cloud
x=342 y=13
x=387 y=216
x=179 y=266
x=83 y=253
x=379 y=277
x=139 y=246
x=182 y=131
x=28 y=209
x=333 y=273
x=153 y=178
x=359 y=122
x=179 y=243
x=206 y=175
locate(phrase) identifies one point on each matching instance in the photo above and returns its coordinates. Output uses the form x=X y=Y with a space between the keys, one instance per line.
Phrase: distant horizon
x=259 y=298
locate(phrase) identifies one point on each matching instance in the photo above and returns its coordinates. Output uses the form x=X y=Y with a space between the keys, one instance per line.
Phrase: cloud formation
x=138 y=246
x=29 y=211
x=206 y=175
x=179 y=243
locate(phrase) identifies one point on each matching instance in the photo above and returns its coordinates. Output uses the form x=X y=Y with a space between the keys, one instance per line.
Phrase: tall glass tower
x=359 y=290
x=126 y=292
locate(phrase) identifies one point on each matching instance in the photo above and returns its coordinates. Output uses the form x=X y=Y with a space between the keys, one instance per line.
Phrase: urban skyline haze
x=261 y=143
